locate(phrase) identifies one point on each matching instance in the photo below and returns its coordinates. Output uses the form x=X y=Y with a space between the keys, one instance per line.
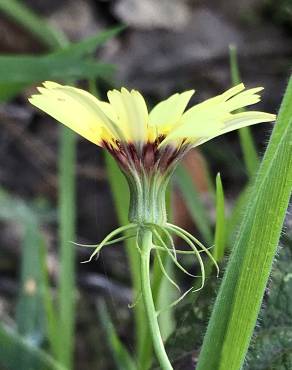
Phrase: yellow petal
x=233 y=122
x=117 y=105
x=167 y=113
x=240 y=120
x=209 y=118
x=216 y=100
x=75 y=108
x=131 y=112
x=243 y=99
x=232 y=91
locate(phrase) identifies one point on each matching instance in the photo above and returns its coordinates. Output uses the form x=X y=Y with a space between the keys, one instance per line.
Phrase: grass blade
x=220 y=232
x=247 y=144
x=238 y=303
x=194 y=203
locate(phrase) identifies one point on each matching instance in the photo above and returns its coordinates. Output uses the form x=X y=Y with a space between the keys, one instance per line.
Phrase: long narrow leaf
x=238 y=302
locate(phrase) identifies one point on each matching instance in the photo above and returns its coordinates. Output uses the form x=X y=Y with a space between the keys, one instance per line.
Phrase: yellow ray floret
x=131 y=113
x=165 y=115
x=125 y=117
x=216 y=116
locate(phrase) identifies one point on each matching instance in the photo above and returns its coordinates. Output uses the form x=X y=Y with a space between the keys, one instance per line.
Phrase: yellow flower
x=125 y=118
x=148 y=145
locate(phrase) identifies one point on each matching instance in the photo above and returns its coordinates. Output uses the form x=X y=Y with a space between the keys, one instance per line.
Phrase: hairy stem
x=151 y=314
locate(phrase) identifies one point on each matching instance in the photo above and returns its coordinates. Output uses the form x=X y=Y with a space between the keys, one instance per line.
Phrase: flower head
x=150 y=140
x=148 y=145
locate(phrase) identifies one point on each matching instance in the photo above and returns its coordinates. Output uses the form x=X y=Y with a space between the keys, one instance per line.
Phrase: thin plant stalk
x=151 y=314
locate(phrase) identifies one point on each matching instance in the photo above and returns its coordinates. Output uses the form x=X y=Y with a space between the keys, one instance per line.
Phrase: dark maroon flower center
x=147 y=157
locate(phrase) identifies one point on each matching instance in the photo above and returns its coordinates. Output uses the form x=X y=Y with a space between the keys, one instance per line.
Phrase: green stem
x=146 y=246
